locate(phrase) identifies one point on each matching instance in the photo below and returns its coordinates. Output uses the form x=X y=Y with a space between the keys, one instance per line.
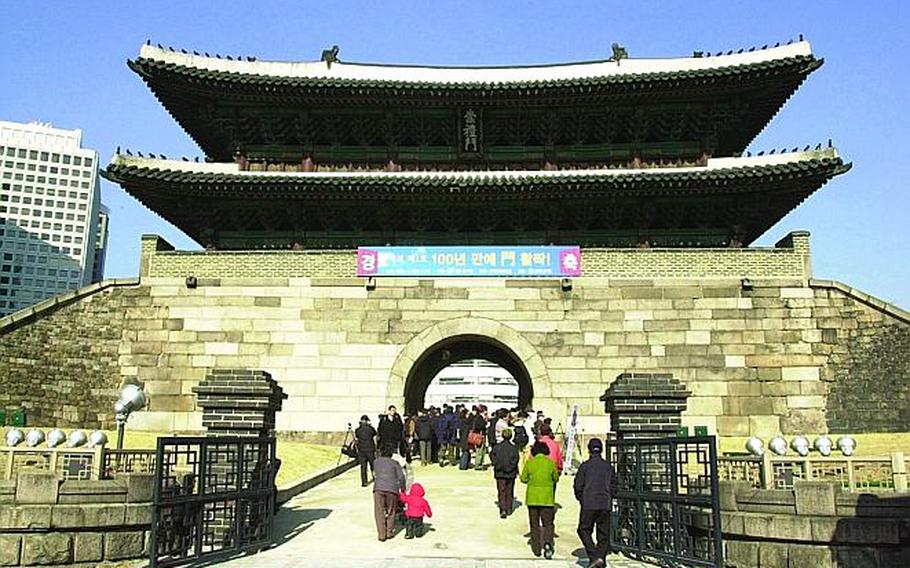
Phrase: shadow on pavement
x=291 y=522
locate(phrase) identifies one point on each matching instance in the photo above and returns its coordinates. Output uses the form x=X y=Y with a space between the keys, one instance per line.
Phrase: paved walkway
x=332 y=525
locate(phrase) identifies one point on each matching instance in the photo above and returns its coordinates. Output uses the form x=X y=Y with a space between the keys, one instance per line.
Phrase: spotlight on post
x=824 y=445
x=778 y=445
x=34 y=437
x=846 y=445
x=566 y=284
x=14 y=437
x=755 y=446
x=55 y=437
x=800 y=445
x=132 y=398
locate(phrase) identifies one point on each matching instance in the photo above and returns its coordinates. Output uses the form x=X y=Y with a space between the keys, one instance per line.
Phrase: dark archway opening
x=461 y=348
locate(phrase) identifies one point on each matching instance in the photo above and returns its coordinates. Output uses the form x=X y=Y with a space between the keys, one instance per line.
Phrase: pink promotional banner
x=471 y=261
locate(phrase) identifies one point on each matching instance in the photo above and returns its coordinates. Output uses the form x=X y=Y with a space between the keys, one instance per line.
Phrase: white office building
x=473 y=382
x=50 y=200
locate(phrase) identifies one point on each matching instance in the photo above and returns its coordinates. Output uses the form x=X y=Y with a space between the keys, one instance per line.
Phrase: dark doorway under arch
x=460 y=348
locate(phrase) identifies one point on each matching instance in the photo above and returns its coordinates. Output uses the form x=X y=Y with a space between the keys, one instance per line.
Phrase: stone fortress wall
x=791 y=354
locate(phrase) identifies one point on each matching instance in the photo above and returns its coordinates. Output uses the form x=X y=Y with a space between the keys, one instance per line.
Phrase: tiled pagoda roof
x=752 y=193
x=654 y=108
x=195 y=177
x=318 y=74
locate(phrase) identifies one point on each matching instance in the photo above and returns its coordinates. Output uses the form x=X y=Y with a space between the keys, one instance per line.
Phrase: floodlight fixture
x=97 y=438
x=55 y=437
x=34 y=437
x=132 y=398
x=846 y=445
x=755 y=446
x=823 y=445
x=778 y=445
x=800 y=445
x=14 y=437
x=77 y=438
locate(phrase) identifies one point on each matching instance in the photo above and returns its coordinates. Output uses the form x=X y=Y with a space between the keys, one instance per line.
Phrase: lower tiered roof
x=728 y=200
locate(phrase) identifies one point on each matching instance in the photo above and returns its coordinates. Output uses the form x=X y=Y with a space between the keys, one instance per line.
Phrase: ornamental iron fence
x=666 y=507
x=213 y=497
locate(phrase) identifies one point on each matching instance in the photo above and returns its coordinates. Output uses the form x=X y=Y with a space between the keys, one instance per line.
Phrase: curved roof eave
x=155 y=168
x=505 y=75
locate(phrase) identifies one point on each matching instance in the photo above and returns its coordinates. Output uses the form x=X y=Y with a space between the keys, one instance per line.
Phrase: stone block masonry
x=788 y=260
x=69 y=525
x=785 y=355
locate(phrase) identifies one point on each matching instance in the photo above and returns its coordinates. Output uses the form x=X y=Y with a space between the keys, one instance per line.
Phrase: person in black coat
x=424 y=431
x=365 y=438
x=594 y=486
x=391 y=431
x=504 y=456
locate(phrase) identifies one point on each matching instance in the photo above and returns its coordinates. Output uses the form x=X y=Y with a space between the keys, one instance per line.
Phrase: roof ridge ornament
x=619 y=52
x=330 y=56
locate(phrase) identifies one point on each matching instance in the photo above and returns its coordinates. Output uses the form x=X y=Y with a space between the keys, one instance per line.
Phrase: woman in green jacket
x=540 y=475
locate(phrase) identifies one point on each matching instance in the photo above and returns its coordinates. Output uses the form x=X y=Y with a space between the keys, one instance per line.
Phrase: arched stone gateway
x=465 y=338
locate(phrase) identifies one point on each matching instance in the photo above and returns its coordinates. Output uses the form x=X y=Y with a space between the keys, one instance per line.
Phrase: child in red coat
x=416 y=508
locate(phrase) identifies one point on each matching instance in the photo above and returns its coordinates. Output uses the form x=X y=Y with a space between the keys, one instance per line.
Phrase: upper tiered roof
x=338 y=112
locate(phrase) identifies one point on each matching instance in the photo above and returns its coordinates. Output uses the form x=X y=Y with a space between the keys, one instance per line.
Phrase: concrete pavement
x=332 y=525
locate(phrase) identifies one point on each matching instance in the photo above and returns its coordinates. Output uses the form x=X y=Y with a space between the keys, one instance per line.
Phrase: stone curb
x=290 y=490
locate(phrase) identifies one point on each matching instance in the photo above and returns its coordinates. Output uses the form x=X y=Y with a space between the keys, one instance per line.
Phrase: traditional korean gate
x=665 y=509
x=213 y=497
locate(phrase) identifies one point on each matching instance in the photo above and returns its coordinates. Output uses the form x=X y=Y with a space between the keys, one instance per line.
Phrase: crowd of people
x=517 y=447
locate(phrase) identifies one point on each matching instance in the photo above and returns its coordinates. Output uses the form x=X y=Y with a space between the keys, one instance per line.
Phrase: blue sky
x=64 y=62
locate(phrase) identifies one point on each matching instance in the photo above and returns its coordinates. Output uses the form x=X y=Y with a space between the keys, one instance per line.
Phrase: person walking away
x=462 y=449
x=391 y=430
x=504 y=456
x=442 y=434
x=501 y=423
x=365 y=438
x=416 y=508
x=594 y=487
x=389 y=481
x=479 y=429
x=424 y=431
x=435 y=416
x=520 y=438
x=545 y=435
x=535 y=428
x=540 y=475
x=410 y=437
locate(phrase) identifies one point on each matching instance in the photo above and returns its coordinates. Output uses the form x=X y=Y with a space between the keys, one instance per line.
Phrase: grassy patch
x=867 y=445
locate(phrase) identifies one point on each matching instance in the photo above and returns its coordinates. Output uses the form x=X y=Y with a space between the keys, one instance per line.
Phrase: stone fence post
x=645 y=405
x=239 y=402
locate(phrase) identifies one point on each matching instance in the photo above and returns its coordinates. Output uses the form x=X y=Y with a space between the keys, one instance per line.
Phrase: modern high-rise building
x=104 y=216
x=49 y=213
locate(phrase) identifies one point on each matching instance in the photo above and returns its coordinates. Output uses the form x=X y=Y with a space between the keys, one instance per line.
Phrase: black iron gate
x=665 y=509
x=213 y=497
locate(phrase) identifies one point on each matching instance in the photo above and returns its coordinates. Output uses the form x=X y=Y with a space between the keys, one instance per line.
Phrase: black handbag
x=349 y=449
